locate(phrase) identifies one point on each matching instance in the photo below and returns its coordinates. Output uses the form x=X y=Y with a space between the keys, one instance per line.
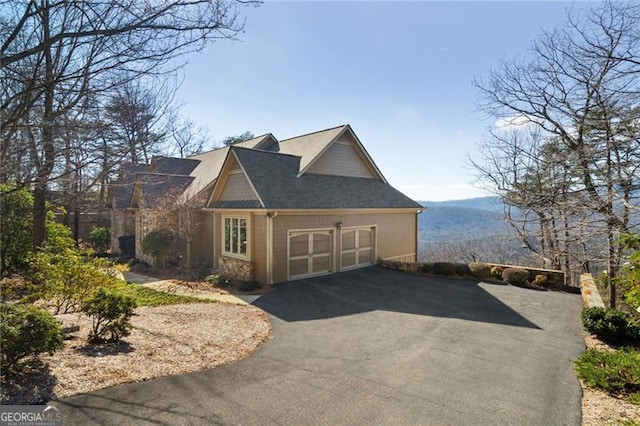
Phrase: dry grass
x=165 y=340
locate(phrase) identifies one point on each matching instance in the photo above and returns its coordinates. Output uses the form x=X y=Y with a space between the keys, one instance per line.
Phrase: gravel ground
x=165 y=340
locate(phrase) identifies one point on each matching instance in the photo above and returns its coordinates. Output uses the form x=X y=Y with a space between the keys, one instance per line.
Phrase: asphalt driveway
x=375 y=346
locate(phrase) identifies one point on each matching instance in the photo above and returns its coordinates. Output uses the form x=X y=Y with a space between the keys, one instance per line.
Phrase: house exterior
x=273 y=211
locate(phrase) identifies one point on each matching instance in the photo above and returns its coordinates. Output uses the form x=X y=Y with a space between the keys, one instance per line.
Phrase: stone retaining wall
x=590 y=294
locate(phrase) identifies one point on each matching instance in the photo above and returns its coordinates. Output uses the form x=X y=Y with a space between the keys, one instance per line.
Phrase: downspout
x=214 y=261
x=270 y=216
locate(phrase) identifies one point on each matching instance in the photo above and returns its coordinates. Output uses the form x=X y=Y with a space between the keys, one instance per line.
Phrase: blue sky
x=399 y=72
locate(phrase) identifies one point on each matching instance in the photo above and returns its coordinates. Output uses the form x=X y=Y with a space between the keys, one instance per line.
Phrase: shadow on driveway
x=380 y=289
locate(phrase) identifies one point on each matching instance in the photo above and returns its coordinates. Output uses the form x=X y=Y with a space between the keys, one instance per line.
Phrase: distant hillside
x=481 y=203
x=461 y=220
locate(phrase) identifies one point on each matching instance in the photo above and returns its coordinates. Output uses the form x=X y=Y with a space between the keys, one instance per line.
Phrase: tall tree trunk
x=48 y=154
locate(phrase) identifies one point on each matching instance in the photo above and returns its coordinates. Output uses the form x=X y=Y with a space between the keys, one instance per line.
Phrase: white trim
x=223 y=251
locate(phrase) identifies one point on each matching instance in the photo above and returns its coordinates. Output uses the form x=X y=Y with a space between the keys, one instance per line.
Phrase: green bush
x=426 y=268
x=16 y=222
x=611 y=325
x=158 y=243
x=67 y=277
x=26 y=331
x=480 y=270
x=517 y=276
x=462 y=270
x=617 y=373
x=111 y=314
x=216 y=280
x=248 y=285
x=444 y=268
x=100 y=239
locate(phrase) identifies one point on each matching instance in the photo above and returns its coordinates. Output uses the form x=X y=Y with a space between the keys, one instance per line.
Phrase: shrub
x=100 y=239
x=158 y=243
x=26 y=331
x=427 y=268
x=617 y=373
x=248 y=285
x=496 y=272
x=444 y=268
x=610 y=325
x=517 y=276
x=541 y=280
x=480 y=270
x=110 y=313
x=16 y=222
x=66 y=278
x=216 y=280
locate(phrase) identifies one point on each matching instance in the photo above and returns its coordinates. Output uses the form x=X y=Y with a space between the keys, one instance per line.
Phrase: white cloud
x=515 y=122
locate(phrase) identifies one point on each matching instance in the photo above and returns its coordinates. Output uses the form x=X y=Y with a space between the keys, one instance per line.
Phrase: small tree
x=100 y=239
x=16 y=221
x=158 y=243
x=629 y=279
x=111 y=314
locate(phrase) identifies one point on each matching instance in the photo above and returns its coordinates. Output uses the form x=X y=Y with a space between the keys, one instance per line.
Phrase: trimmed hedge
x=517 y=276
x=611 y=325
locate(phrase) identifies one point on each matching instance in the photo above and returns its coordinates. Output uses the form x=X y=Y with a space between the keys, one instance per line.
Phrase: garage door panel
x=299 y=266
x=348 y=259
x=357 y=247
x=321 y=264
x=299 y=245
x=365 y=256
x=321 y=243
x=364 y=238
x=348 y=240
x=310 y=253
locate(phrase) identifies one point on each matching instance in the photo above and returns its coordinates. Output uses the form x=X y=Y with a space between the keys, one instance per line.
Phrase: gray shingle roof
x=173 y=166
x=157 y=188
x=275 y=178
x=122 y=189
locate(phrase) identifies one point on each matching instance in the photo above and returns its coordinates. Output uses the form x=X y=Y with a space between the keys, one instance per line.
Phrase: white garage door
x=310 y=253
x=358 y=247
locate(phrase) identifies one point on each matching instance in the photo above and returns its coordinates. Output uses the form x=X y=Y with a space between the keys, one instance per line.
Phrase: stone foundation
x=235 y=269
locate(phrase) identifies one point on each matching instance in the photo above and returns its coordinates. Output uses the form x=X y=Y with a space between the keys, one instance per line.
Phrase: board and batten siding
x=341 y=159
x=395 y=234
x=237 y=188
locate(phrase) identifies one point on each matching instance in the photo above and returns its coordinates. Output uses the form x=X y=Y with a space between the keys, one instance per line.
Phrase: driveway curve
x=376 y=346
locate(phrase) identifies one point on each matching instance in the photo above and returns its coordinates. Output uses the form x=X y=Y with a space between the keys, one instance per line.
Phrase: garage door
x=310 y=253
x=358 y=247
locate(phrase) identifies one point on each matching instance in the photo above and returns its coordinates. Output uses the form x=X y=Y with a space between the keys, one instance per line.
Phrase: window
x=235 y=236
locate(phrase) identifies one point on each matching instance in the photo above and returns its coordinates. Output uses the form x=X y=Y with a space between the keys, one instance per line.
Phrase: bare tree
x=579 y=87
x=56 y=54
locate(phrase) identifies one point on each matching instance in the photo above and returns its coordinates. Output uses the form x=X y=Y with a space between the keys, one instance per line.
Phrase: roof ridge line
x=264 y=151
x=313 y=133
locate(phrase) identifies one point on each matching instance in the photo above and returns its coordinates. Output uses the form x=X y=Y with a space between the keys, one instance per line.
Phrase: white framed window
x=236 y=234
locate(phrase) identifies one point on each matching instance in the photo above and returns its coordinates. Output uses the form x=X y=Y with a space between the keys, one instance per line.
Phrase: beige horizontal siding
x=395 y=233
x=341 y=159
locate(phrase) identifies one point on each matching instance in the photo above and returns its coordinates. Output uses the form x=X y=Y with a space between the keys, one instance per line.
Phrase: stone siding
x=235 y=269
